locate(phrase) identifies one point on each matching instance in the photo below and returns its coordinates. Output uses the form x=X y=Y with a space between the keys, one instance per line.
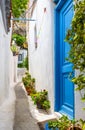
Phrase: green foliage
x=76 y=38
x=46 y=105
x=14 y=49
x=40 y=99
x=20 y=65
x=19 y=39
x=64 y=123
x=18 y=7
x=29 y=83
x=25 y=62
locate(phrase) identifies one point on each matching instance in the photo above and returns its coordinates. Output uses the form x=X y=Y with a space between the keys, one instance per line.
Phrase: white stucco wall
x=41 y=58
x=7 y=73
x=79 y=105
x=2 y=64
x=6 y=58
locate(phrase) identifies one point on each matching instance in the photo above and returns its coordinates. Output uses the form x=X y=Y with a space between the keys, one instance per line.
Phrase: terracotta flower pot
x=75 y=128
x=14 y=53
x=39 y=106
x=28 y=90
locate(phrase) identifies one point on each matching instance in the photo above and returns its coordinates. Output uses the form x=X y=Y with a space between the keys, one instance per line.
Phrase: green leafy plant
x=25 y=63
x=18 y=7
x=46 y=104
x=76 y=38
x=29 y=83
x=40 y=99
x=64 y=123
x=19 y=39
x=14 y=49
x=20 y=65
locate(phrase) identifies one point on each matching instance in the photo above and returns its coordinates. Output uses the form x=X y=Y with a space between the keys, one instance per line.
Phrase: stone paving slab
x=23 y=119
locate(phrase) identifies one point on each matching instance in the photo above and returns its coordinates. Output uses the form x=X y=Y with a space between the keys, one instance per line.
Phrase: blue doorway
x=64 y=88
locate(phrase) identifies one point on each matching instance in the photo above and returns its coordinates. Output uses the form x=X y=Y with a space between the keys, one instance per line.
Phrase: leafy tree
x=18 y=7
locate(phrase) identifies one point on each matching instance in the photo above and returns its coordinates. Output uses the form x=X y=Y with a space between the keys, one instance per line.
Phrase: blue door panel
x=67 y=68
x=63 y=83
x=67 y=91
x=66 y=86
x=66 y=110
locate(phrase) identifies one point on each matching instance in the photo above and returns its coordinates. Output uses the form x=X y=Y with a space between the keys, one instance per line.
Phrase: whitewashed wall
x=79 y=105
x=41 y=58
x=7 y=74
x=2 y=64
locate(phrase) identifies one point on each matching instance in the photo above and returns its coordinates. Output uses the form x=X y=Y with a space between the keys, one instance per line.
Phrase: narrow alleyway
x=23 y=118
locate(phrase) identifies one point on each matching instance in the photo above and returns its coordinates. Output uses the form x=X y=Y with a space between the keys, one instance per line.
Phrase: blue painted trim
x=56 y=69
x=60 y=4
x=57 y=54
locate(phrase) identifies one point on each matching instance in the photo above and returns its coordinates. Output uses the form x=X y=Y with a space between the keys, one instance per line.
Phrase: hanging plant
x=76 y=38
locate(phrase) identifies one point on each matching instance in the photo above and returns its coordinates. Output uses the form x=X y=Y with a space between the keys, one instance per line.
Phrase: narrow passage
x=23 y=118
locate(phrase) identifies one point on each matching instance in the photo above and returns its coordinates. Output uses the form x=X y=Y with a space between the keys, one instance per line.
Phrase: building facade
x=48 y=52
x=7 y=68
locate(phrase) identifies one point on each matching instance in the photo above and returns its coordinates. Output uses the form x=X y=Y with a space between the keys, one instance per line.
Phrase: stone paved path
x=23 y=118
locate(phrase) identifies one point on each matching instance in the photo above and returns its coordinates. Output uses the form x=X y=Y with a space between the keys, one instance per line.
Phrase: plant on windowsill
x=41 y=100
x=64 y=123
x=29 y=83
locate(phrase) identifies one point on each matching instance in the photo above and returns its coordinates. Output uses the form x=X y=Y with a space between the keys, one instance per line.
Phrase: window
x=20 y=57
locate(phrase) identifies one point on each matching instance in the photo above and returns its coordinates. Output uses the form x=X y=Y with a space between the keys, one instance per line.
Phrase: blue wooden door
x=64 y=86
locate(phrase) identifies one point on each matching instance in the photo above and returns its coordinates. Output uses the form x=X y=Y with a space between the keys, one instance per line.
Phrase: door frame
x=57 y=54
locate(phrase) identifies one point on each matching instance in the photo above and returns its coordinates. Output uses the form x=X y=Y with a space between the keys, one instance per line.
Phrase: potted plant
x=30 y=90
x=64 y=123
x=29 y=83
x=14 y=49
x=40 y=99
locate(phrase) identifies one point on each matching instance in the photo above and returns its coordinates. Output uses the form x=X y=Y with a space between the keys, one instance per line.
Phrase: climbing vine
x=76 y=38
